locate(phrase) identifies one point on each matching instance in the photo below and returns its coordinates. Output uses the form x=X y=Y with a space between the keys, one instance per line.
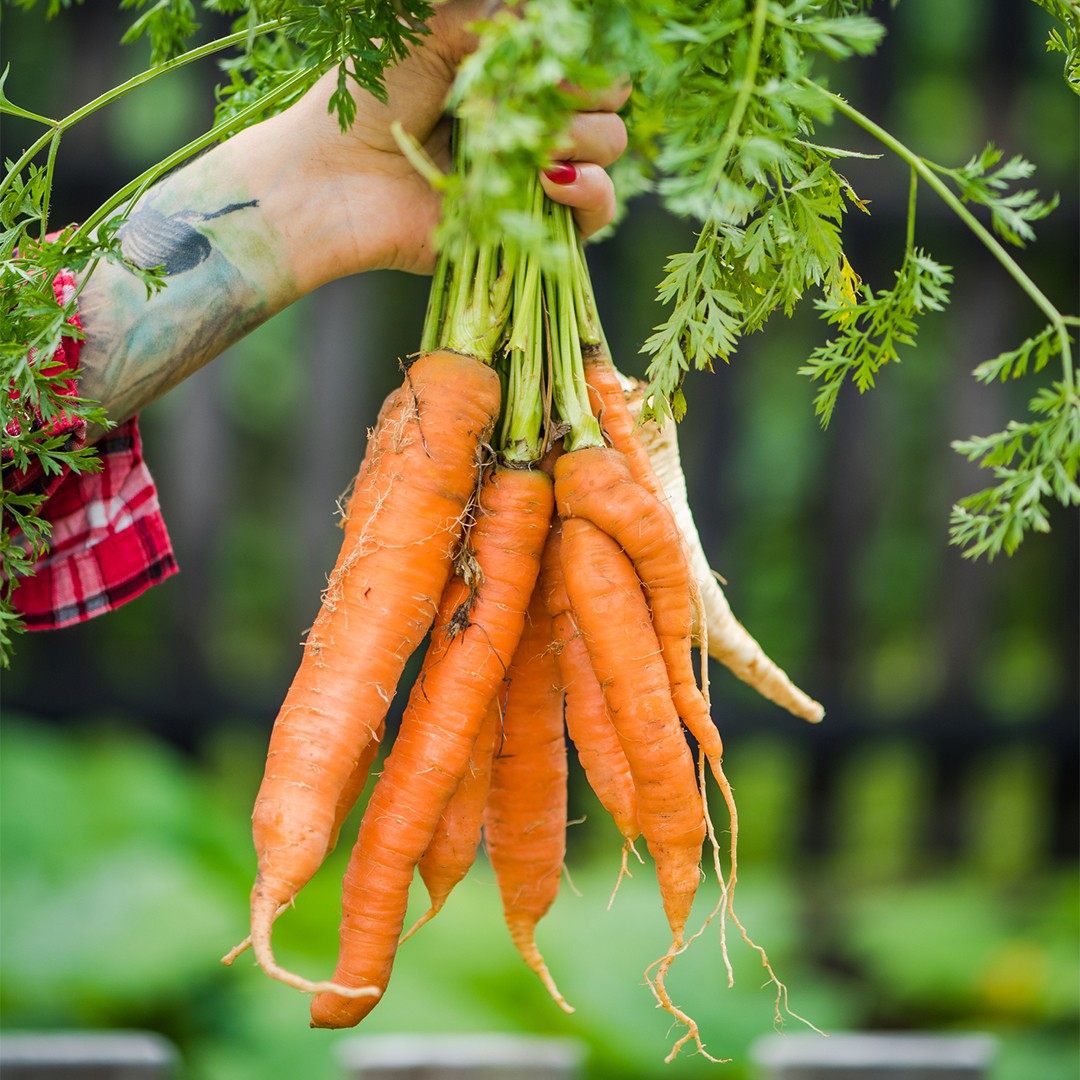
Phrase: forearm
x=240 y=233
x=287 y=205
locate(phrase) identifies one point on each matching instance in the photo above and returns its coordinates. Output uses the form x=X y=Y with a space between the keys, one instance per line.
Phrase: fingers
x=599 y=137
x=609 y=99
x=578 y=180
x=584 y=187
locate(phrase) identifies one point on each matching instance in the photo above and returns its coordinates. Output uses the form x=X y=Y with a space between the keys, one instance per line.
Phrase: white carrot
x=726 y=639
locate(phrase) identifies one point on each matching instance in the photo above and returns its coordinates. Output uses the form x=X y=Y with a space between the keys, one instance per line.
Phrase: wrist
x=342 y=202
x=305 y=243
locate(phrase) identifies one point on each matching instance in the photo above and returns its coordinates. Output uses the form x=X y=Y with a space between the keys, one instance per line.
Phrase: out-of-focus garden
x=910 y=864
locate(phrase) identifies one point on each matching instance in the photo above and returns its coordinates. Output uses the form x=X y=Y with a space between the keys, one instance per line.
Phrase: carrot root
x=663 y=1001
x=404 y=518
x=525 y=815
x=238 y=950
x=456 y=840
x=422 y=921
x=624 y=869
x=600 y=579
x=524 y=939
x=588 y=722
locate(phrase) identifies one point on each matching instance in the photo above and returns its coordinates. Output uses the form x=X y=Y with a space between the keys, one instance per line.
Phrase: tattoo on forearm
x=150 y=239
x=222 y=282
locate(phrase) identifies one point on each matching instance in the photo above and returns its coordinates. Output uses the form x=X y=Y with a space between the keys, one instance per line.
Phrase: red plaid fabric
x=109 y=542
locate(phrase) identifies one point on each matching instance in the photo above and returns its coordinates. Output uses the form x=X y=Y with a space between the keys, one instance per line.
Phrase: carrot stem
x=569 y=391
x=523 y=436
x=470 y=294
x=436 y=306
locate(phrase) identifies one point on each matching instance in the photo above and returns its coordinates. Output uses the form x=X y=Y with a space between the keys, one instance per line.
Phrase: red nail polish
x=561 y=173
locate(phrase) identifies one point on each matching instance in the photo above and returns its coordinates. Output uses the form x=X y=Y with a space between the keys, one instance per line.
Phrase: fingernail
x=561 y=173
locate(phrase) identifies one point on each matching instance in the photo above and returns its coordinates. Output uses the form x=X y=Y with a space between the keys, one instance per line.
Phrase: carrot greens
x=728 y=100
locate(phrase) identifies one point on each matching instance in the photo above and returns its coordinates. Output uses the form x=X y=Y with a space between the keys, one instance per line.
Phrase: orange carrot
x=454 y=845
x=587 y=721
x=359 y=776
x=615 y=622
x=404 y=520
x=608 y=400
x=595 y=483
x=349 y=794
x=525 y=815
x=676 y=634
x=476 y=633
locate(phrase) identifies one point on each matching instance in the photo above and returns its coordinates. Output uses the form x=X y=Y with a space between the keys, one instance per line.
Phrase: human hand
x=385 y=210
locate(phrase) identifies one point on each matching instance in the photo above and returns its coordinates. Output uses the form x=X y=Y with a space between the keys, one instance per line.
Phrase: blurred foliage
x=910 y=864
x=125 y=870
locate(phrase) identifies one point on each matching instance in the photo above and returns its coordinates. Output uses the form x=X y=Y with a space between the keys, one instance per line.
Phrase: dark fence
x=834 y=543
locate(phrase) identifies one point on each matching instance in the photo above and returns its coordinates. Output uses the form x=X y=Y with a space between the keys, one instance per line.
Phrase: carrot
x=457 y=836
x=615 y=622
x=653 y=458
x=349 y=794
x=587 y=721
x=475 y=635
x=590 y=482
x=525 y=815
x=609 y=405
x=652 y=452
x=595 y=483
x=404 y=520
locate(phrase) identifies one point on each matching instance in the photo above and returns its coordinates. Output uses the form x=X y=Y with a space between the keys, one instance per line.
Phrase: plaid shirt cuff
x=109 y=542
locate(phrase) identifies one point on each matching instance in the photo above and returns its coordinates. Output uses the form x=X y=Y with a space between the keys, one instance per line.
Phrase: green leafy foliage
x=513 y=103
x=362 y=39
x=722 y=123
x=1066 y=38
x=1031 y=355
x=873 y=328
x=1034 y=461
x=704 y=323
x=1012 y=211
x=738 y=156
x=257 y=74
x=167 y=24
x=998 y=518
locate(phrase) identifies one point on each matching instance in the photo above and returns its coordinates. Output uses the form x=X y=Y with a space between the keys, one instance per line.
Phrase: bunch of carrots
x=509 y=506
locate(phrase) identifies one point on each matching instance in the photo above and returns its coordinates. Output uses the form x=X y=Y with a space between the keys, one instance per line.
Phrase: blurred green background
x=910 y=864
